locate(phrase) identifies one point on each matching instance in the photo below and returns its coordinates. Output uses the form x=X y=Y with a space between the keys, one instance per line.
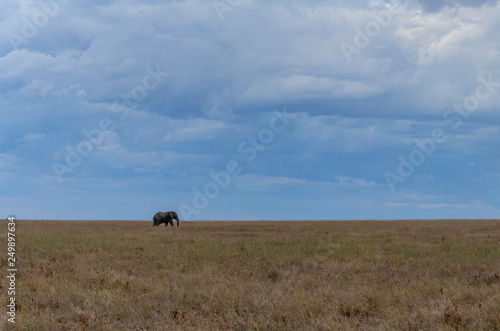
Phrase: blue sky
x=246 y=109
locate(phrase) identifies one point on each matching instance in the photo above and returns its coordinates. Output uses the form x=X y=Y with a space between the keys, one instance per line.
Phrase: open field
x=403 y=275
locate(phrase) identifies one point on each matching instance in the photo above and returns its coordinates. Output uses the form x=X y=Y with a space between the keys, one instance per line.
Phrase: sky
x=249 y=109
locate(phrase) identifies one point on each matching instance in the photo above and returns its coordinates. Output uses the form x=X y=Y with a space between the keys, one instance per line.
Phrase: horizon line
x=267 y=220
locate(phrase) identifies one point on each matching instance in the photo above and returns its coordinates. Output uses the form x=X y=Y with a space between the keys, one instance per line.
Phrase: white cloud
x=302 y=62
x=266 y=183
x=193 y=129
x=32 y=137
x=439 y=205
x=7 y=161
x=355 y=134
x=345 y=180
x=255 y=182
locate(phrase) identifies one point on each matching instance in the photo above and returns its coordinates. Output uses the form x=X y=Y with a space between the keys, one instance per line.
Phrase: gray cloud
x=226 y=76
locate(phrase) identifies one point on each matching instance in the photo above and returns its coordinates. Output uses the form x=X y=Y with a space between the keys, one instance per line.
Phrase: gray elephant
x=166 y=218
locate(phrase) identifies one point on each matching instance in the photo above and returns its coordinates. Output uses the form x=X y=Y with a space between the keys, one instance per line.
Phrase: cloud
x=193 y=129
x=439 y=205
x=344 y=180
x=225 y=76
x=266 y=183
x=7 y=161
x=436 y=5
x=356 y=134
x=220 y=73
x=32 y=137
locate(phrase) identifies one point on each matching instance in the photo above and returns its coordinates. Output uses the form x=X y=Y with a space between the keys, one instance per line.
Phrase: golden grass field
x=351 y=275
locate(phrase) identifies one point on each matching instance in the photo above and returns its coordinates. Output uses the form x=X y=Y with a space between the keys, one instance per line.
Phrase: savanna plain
x=311 y=275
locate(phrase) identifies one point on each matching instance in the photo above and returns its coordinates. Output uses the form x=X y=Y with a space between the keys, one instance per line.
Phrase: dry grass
x=408 y=275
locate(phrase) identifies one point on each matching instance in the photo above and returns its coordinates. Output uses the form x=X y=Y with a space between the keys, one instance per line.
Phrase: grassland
x=405 y=275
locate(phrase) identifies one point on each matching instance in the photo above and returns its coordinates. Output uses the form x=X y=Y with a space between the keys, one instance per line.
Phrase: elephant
x=166 y=218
